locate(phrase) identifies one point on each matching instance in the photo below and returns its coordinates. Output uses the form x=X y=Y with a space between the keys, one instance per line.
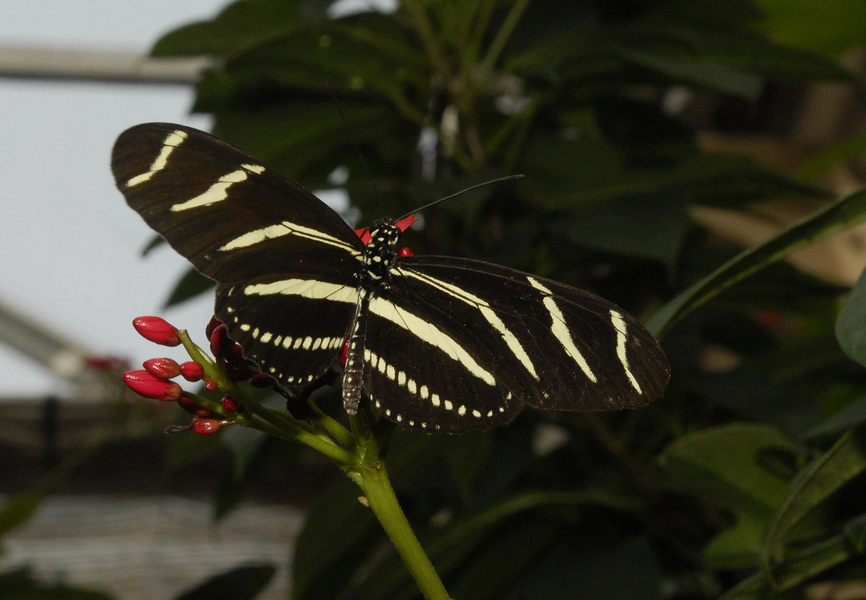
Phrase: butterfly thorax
x=379 y=253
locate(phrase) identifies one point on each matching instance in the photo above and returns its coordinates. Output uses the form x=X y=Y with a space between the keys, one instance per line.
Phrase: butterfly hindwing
x=519 y=339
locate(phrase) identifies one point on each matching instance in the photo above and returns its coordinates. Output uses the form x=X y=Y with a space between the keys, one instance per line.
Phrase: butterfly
x=436 y=343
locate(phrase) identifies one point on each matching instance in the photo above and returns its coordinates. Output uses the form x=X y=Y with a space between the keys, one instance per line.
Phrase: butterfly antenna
x=352 y=139
x=469 y=189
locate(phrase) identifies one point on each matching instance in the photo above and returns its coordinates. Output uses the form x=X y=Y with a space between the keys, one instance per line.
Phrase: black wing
x=286 y=262
x=488 y=339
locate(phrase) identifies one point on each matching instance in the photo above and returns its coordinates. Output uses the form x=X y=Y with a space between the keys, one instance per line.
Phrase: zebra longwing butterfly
x=436 y=343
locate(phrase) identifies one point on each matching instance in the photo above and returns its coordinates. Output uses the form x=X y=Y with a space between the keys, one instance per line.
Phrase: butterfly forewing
x=231 y=216
x=440 y=344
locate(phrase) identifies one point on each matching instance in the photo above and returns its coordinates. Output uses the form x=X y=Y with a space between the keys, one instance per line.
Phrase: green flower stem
x=373 y=480
x=333 y=428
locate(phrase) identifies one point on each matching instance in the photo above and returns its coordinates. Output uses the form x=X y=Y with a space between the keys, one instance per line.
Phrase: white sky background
x=69 y=245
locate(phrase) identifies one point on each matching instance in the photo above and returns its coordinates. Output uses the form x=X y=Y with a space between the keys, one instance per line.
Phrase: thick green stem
x=382 y=500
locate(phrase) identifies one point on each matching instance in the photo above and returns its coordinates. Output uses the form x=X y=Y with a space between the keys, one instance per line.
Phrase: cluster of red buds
x=155 y=380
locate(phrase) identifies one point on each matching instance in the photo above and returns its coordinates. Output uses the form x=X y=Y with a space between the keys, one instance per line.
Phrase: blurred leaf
x=851 y=324
x=338 y=537
x=240 y=583
x=20 y=584
x=155 y=242
x=835 y=217
x=701 y=72
x=239 y=25
x=466 y=456
x=851 y=416
x=627 y=569
x=830 y=27
x=646 y=228
x=836 y=154
x=17 y=510
x=826 y=474
x=491 y=571
x=795 y=569
x=855 y=532
x=720 y=465
x=191 y=285
x=186 y=448
x=253 y=457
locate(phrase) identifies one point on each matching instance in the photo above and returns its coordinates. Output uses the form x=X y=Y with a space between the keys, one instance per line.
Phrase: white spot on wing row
x=560 y=330
x=402 y=379
x=428 y=332
x=287 y=228
x=621 y=338
x=219 y=190
x=492 y=318
x=172 y=141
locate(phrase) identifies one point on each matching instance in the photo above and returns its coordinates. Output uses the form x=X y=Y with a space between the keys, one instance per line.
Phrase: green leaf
x=335 y=541
x=831 y=219
x=598 y=573
x=705 y=73
x=17 y=510
x=240 y=583
x=20 y=584
x=851 y=416
x=826 y=474
x=721 y=465
x=851 y=324
x=191 y=285
x=647 y=228
x=830 y=27
x=796 y=569
x=186 y=448
x=239 y=25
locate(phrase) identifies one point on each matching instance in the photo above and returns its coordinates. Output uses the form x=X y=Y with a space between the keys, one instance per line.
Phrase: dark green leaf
x=721 y=466
x=826 y=474
x=851 y=416
x=336 y=540
x=20 y=584
x=240 y=583
x=598 y=574
x=851 y=325
x=835 y=217
x=239 y=25
x=191 y=285
x=17 y=509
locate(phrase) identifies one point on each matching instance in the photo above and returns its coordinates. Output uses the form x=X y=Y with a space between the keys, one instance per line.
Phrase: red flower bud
x=157 y=330
x=162 y=367
x=145 y=384
x=210 y=385
x=194 y=408
x=230 y=404
x=205 y=426
x=192 y=371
